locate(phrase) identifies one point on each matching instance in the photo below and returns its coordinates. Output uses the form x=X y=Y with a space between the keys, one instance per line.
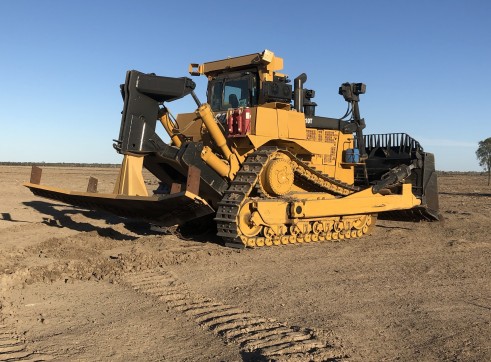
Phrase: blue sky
x=425 y=63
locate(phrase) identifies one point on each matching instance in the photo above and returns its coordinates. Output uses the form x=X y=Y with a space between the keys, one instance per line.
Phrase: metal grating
x=401 y=142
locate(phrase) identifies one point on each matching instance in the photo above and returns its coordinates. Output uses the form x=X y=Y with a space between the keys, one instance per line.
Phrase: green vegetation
x=483 y=155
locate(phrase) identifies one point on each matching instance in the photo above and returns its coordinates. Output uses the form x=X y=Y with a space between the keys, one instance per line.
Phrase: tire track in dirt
x=257 y=337
x=15 y=348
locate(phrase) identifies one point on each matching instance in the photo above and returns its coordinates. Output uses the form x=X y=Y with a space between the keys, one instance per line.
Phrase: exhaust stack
x=298 y=92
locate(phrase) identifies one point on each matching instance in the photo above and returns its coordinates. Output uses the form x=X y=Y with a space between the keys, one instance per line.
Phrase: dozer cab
x=258 y=160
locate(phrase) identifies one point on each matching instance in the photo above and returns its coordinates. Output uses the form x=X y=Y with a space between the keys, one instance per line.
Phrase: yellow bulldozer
x=257 y=159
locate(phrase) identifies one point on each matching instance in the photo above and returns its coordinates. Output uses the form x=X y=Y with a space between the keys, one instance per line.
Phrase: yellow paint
x=130 y=180
x=265 y=122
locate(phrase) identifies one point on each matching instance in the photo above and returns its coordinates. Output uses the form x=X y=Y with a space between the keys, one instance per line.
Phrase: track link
x=246 y=181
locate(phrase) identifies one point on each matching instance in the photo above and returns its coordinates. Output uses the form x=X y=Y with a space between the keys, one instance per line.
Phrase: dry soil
x=81 y=285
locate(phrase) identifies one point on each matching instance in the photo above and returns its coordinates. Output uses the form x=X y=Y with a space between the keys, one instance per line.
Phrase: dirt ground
x=81 y=285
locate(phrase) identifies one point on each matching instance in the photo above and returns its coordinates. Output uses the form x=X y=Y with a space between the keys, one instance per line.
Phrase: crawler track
x=246 y=183
x=260 y=337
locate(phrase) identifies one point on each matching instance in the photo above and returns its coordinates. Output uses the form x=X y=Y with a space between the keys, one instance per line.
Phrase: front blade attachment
x=164 y=210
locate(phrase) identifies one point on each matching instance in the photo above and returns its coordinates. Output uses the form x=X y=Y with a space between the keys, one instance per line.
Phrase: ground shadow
x=59 y=215
x=257 y=356
x=202 y=230
x=62 y=218
x=6 y=216
x=254 y=356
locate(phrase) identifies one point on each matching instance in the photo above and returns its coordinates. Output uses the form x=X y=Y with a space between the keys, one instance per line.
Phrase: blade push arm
x=142 y=94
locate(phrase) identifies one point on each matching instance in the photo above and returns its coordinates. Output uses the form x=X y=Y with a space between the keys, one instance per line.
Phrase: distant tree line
x=483 y=155
x=443 y=173
x=61 y=164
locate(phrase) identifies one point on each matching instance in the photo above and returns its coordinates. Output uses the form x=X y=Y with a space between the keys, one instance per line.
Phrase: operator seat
x=233 y=101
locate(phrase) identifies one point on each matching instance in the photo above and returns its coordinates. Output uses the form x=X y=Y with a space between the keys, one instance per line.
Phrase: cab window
x=235 y=92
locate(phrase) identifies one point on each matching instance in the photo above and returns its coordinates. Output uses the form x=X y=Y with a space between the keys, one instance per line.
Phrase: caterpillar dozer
x=257 y=160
